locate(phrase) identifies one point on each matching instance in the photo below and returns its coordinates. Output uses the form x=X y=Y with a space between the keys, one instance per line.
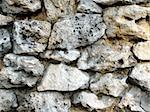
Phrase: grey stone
x=128 y=22
x=29 y=64
x=88 y=6
x=30 y=36
x=75 y=31
x=63 y=78
x=132 y=100
x=111 y=2
x=45 y=102
x=145 y=102
x=110 y=84
x=5 y=44
x=20 y=71
x=140 y=75
x=59 y=8
x=141 y=50
x=4 y=20
x=63 y=56
x=107 y=55
x=20 y=6
x=91 y=101
x=8 y=100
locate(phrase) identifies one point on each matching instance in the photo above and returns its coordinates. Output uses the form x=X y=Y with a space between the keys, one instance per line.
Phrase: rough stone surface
x=141 y=50
x=132 y=99
x=128 y=22
x=91 y=101
x=111 y=2
x=59 y=8
x=107 y=55
x=20 y=6
x=140 y=75
x=110 y=85
x=31 y=36
x=20 y=71
x=88 y=7
x=74 y=56
x=63 y=56
x=75 y=31
x=63 y=78
x=45 y=102
x=8 y=100
x=5 y=44
x=4 y=20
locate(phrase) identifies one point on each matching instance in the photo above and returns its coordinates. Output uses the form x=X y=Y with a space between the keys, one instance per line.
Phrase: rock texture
x=128 y=21
x=74 y=56
x=107 y=55
x=20 y=6
x=8 y=100
x=91 y=101
x=5 y=43
x=45 y=102
x=20 y=71
x=141 y=50
x=75 y=31
x=63 y=78
x=31 y=36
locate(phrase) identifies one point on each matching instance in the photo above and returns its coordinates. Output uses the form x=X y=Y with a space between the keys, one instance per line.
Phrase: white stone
x=59 y=8
x=91 y=101
x=63 y=56
x=30 y=36
x=45 y=102
x=109 y=84
x=8 y=100
x=20 y=6
x=107 y=55
x=75 y=31
x=63 y=78
x=142 y=50
x=4 y=20
x=132 y=99
x=88 y=6
x=140 y=75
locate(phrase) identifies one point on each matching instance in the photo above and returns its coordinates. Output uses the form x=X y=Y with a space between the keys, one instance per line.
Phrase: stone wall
x=75 y=56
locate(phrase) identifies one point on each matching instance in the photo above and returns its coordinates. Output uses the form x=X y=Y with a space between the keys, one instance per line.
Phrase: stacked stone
x=75 y=56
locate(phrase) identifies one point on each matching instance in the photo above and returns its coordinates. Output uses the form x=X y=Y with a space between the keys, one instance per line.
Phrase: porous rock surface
x=74 y=56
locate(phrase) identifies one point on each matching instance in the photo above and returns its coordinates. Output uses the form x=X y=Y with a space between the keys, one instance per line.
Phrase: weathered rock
x=128 y=21
x=5 y=44
x=8 y=100
x=145 y=102
x=75 y=31
x=91 y=101
x=111 y=2
x=10 y=78
x=20 y=6
x=30 y=36
x=20 y=71
x=63 y=78
x=45 y=102
x=59 y=8
x=4 y=20
x=140 y=75
x=107 y=55
x=110 y=84
x=28 y=64
x=88 y=6
x=141 y=50
x=132 y=100
x=63 y=56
